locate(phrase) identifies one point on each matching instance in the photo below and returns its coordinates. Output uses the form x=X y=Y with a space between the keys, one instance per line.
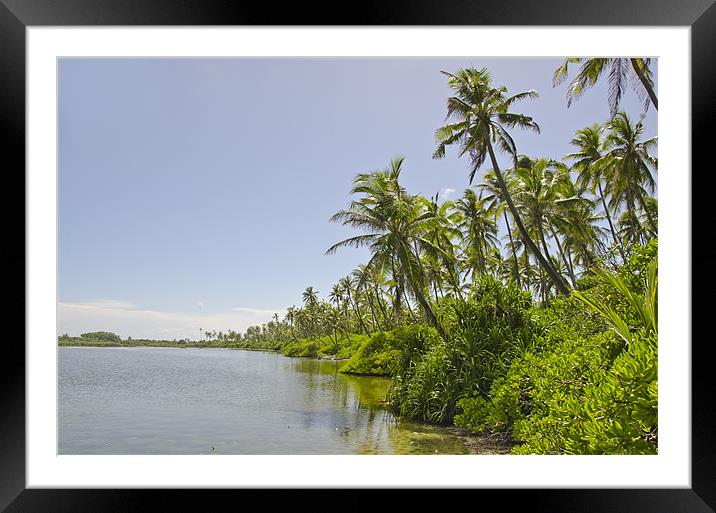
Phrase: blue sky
x=198 y=191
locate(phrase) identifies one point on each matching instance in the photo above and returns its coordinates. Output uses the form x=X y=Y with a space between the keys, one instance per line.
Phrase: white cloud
x=446 y=192
x=108 y=303
x=127 y=320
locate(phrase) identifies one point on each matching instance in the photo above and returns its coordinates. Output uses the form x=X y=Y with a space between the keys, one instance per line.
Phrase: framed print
x=481 y=313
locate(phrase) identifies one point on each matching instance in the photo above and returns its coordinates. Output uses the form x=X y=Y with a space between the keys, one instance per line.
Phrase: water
x=148 y=400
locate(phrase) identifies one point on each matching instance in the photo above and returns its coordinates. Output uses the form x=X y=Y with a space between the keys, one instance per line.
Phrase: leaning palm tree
x=482 y=116
x=621 y=70
x=394 y=226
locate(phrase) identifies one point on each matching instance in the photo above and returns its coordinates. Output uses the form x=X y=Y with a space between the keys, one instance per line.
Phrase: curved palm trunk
x=609 y=219
x=516 y=272
x=398 y=292
x=645 y=83
x=567 y=261
x=432 y=320
x=551 y=271
x=356 y=309
x=372 y=313
x=544 y=243
x=543 y=286
x=380 y=302
x=407 y=303
x=571 y=264
x=414 y=282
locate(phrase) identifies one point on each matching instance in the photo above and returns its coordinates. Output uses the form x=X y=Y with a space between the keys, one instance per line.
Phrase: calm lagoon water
x=149 y=400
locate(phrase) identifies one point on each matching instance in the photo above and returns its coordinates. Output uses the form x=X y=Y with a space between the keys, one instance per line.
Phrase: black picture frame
x=17 y=15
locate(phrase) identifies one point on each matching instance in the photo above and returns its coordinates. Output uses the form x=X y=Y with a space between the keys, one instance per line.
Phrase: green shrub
x=349 y=345
x=303 y=348
x=378 y=355
x=579 y=392
x=485 y=332
x=611 y=410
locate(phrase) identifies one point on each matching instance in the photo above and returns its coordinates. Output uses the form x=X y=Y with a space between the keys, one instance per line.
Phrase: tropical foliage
x=527 y=306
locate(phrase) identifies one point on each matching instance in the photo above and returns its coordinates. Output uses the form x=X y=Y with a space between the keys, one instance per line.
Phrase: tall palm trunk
x=354 y=302
x=567 y=262
x=516 y=272
x=380 y=302
x=645 y=83
x=554 y=275
x=415 y=285
x=398 y=293
x=616 y=238
x=372 y=313
x=410 y=309
x=432 y=320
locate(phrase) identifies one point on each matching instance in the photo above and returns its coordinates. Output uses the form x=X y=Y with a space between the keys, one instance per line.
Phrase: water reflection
x=186 y=401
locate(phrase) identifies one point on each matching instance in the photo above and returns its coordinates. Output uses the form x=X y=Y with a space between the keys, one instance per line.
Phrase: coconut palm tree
x=498 y=206
x=482 y=117
x=362 y=278
x=336 y=295
x=395 y=227
x=310 y=297
x=441 y=233
x=478 y=230
x=351 y=294
x=591 y=145
x=621 y=72
x=629 y=167
x=573 y=220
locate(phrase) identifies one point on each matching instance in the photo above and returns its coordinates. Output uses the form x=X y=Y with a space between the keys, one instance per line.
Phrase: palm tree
x=628 y=166
x=478 y=229
x=336 y=295
x=573 y=218
x=497 y=205
x=362 y=279
x=620 y=70
x=591 y=145
x=482 y=113
x=310 y=297
x=537 y=185
x=347 y=286
x=395 y=226
x=441 y=233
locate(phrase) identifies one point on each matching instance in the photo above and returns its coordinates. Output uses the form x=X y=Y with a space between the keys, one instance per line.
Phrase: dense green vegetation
x=528 y=306
x=108 y=339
